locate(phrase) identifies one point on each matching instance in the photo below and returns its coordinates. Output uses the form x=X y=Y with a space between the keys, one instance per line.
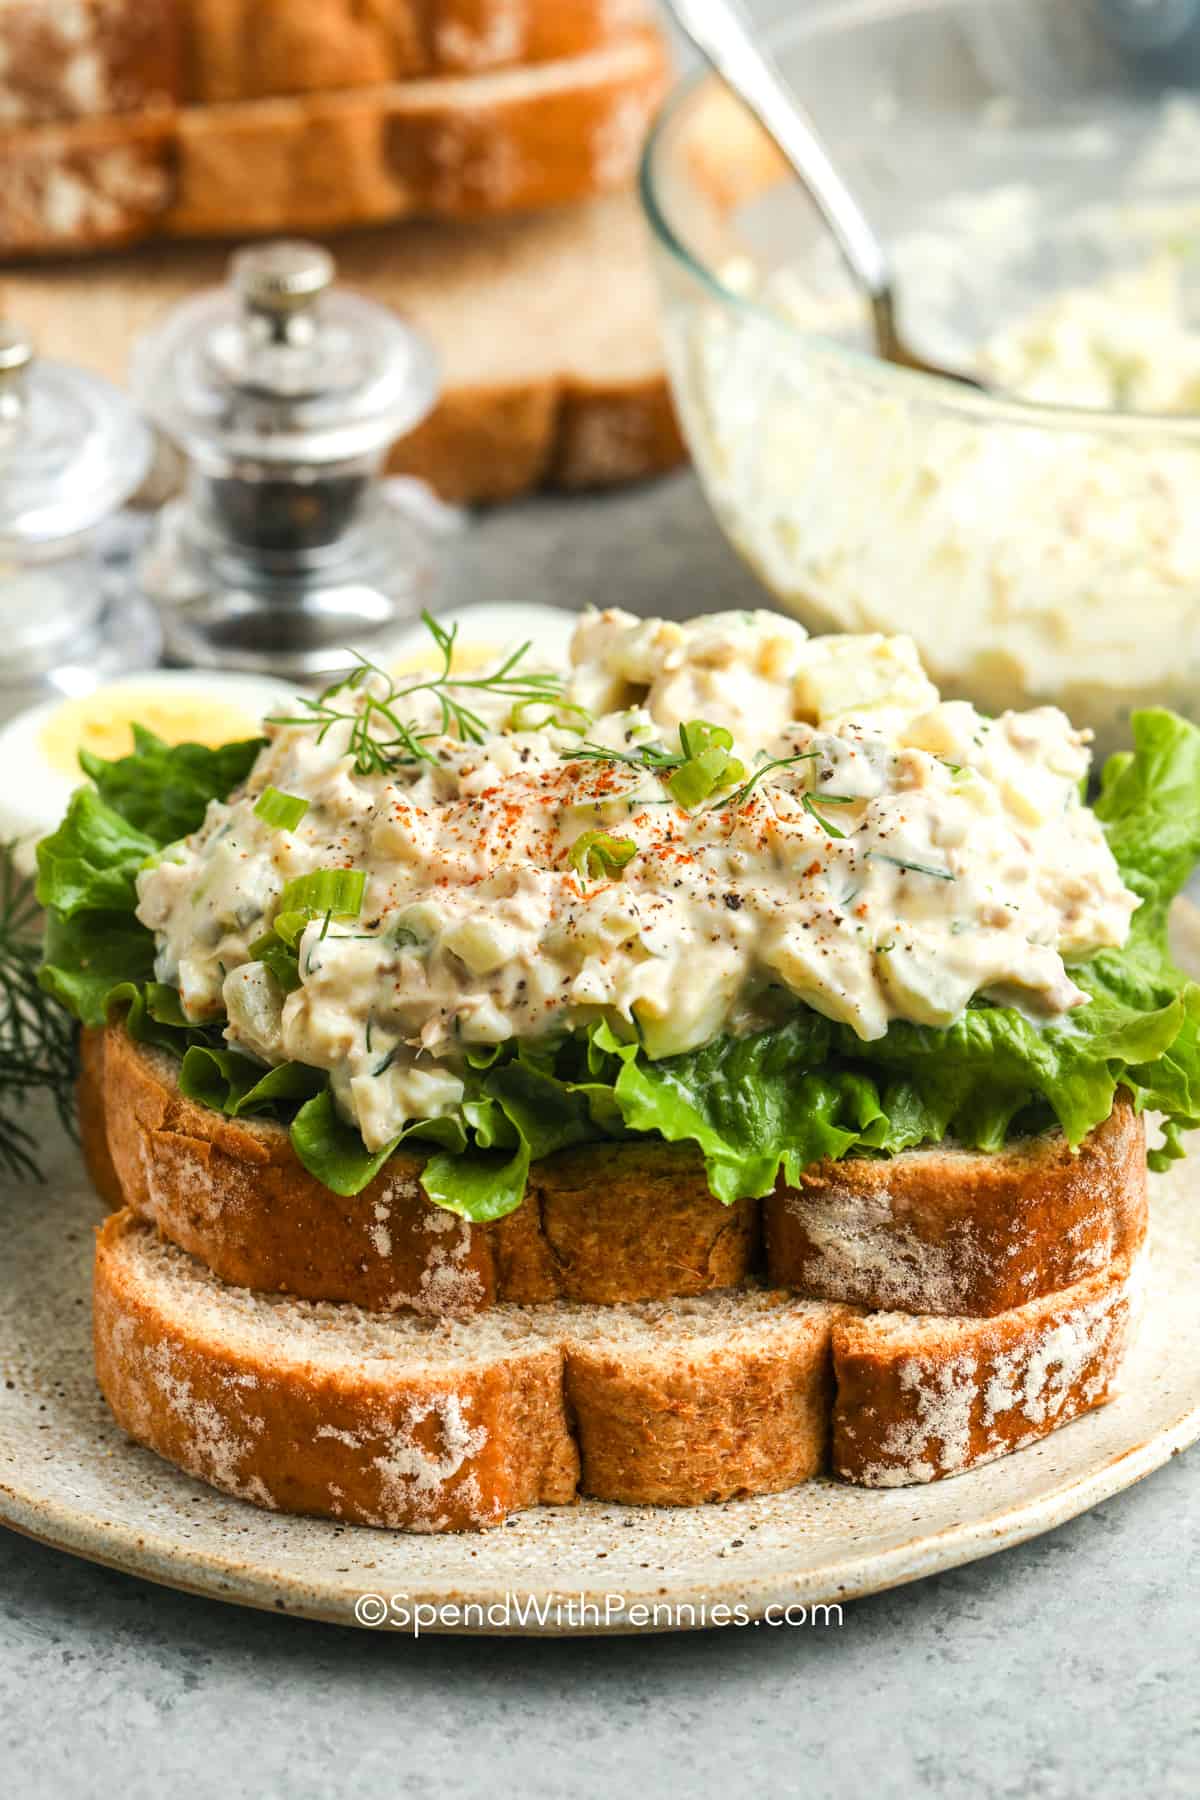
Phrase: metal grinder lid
x=282 y=367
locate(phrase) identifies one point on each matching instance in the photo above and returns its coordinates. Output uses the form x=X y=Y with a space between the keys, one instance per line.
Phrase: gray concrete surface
x=1064 y=1668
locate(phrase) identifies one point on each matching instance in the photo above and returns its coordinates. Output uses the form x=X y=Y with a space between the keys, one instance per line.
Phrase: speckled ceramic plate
x=69 y=1478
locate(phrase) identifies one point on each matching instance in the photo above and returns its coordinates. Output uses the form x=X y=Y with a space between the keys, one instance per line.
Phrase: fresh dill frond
x=914 y=868
x=703 y=762
x=645 y=757
x=812 y=804
x=38 y=1039
x=736 y=801
x=383 y=739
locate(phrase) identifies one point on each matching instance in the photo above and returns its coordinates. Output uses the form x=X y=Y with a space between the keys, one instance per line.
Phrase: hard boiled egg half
x=40 y=748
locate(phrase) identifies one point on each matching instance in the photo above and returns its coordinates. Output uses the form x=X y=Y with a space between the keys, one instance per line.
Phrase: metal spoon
x=722 y=33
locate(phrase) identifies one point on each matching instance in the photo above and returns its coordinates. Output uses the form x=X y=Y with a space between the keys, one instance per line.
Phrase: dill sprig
x=914 y=868
x=649 y=756
x=382 y=738
x=812 y=804
x=737 y=800
x=37 y=1037
x=703 y=762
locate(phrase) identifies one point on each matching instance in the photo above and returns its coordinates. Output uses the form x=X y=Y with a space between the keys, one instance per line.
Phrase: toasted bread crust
x=611 y=1222
x=409 y=1450
x=947 y=1231
x=453 y=148
x=244 y=49
x=494 y=443
x=920 y=1399
x=928 y=1232
x=430 y=1432
x=92 y=1106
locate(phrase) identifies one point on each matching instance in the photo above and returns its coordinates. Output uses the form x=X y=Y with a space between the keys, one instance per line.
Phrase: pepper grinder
x=284 y=394
x=72 y=451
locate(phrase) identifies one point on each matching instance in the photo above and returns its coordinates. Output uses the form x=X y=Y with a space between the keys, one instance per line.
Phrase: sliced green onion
x=279 y=958
x=596 y=854
x=282 y=810
x=290 y=926
x=175 y=852
x=336 y=891
x=702 y=775
x=539 y=715
x=698 y=735
x=707 y=763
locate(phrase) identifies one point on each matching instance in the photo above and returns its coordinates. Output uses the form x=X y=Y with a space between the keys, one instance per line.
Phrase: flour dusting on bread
x=976 y=1389
x=416 y=1473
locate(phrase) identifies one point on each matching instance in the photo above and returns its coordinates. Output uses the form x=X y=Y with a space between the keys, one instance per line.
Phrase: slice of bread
x=939 y=1231
x=451 y=1425
x=918 y=1399
x=948 y=1231
x=546 y=329
x=456 y=147
x=397 y=1421
x=92 y=1113
x=612 y=1222
x=76 y=59
x=678 y=1402
x=243 y=49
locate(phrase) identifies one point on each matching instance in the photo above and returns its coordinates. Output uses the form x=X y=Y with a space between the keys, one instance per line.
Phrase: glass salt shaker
x=284 y=394
x=72 y=452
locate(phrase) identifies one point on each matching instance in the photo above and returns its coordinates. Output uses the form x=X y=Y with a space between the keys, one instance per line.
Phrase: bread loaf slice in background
x=546 y=329
x=79 y=59
x=457 y=147
x=245 y=49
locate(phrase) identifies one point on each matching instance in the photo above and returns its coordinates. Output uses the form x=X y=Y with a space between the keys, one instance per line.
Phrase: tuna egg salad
x=692 y=831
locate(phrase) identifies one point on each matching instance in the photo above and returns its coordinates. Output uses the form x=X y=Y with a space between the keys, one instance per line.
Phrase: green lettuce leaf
x=235 y=1085
x=87 y=869
x=543 y=1114
x=165 y=789
x=90 y=863
x=335 y=1153
x=332 y=1150
x=88 y=956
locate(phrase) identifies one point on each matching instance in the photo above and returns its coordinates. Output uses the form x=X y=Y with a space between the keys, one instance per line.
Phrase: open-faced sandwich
x=659 y=1079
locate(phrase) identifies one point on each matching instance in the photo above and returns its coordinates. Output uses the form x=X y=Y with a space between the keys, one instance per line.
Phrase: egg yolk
x=103 y=723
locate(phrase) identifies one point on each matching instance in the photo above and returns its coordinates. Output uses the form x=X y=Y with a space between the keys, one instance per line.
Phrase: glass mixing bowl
x=1009 y=149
